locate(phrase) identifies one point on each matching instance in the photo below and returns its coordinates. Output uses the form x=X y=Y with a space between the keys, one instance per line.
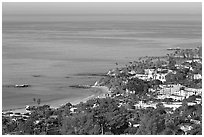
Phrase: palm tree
x=39 y=101
x=34 y=99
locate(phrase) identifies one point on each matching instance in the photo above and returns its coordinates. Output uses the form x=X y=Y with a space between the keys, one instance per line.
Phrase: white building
x=142 y=76
x=175 y=91
x=194 y=91
x=197 y=76
x=173 y=105
x=132 y=72
x=149 y=71
x=170 y=89
x=161 y=77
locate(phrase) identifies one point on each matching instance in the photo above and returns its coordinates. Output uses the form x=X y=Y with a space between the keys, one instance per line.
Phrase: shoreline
x=99 y=91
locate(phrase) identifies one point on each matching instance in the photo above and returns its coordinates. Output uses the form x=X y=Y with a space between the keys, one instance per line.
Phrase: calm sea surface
x=60 y=46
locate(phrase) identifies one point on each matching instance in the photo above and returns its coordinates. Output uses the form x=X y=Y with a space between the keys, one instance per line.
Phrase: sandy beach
x=99 y=91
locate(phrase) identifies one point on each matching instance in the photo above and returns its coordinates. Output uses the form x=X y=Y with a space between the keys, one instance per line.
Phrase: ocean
x=49 y=51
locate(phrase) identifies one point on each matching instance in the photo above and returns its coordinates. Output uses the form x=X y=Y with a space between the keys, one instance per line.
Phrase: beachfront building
x=185 y=128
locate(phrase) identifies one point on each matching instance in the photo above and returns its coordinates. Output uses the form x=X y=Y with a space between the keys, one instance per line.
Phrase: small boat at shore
x=17 y=86
x=22 y=86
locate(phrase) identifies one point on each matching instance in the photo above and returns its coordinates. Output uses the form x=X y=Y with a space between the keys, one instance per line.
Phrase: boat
x=22 y=86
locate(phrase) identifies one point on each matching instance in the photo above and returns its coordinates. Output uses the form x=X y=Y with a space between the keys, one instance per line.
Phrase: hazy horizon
x=30 y=8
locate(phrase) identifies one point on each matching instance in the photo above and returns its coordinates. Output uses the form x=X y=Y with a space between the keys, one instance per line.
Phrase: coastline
x=99 y=91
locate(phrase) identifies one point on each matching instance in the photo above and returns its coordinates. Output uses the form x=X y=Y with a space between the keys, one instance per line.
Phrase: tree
x=28 y=127
x=67 y=127
x=170 y=78
x=172 y=63
x=191 y=98
x=11 y=126
x=105 y=117
x=139 y=86
x=200 y=51
x=171 y=127
x=152 y=121
x=146 y=126
x=34 y=99
x=197 y=130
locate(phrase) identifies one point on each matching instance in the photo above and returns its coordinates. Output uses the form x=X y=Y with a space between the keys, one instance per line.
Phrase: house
x=37 y=122
x=111 y=73
x=170 y=89
x=173 y=105
x=177 y=97
x=144 y=105
x=53 y=117
x=195 y=121
x=132 y=72
x=197 y=76
x=73 y=109
x=136 y=125
x=161 y=77
x=149 y=71
x=196 y=59
x=198 y=100
x=191 y=103
x=185 y=128
x=141 y=76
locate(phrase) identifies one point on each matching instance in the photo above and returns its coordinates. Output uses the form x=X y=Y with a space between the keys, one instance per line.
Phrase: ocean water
x=60 y=46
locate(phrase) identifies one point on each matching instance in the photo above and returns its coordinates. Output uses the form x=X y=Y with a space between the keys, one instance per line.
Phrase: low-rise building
x=150 y=71
x=142 y=76
x=170 y=89
x=197 y=76
x=161 y=76
x=73 y=109
x=173 y=105
x=193 y=91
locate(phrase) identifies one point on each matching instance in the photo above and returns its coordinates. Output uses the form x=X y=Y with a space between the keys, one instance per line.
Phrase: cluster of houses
x=177 y=92
x=16 y=116
x=152 y=74
x=189 y=53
